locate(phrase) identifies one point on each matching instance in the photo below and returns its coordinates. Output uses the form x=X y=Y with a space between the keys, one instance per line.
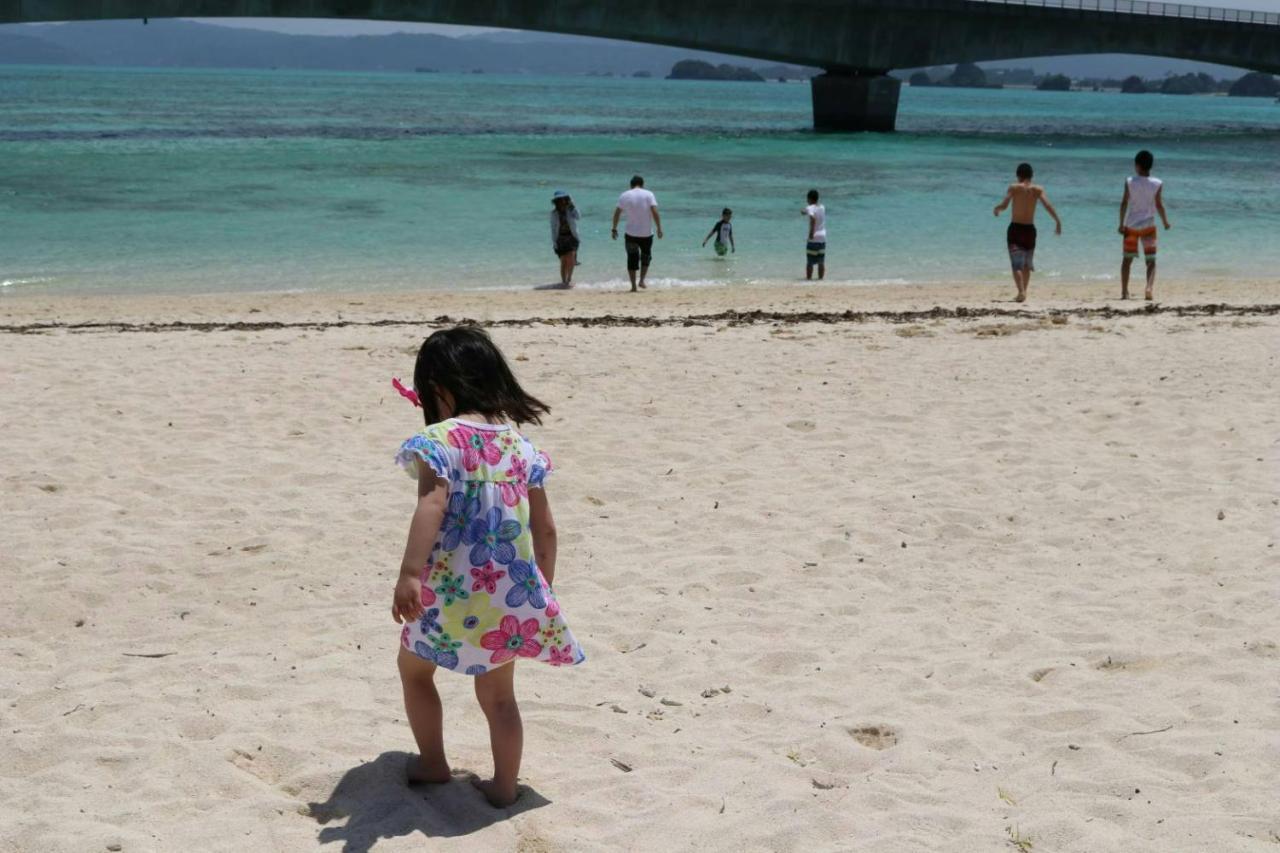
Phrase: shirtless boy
x=1024 y=196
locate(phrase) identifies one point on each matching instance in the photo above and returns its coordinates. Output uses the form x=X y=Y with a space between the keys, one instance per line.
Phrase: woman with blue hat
x=564 y=234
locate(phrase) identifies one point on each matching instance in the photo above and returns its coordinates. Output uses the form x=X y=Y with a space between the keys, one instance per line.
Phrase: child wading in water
x=1143 y=199
x=474 y=592
x=815 y=249
x=1021 y=237
x=723 y=232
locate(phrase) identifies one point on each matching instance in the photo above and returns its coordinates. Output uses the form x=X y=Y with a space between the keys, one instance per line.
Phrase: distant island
x=1255 y=85
x=1055 y=83
x=696 y=69
x=1251 y=85
x=968 y=75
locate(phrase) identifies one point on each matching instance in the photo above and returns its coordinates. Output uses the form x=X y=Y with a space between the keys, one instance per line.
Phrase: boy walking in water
x=816 y=247
x=1143 y=199
x=1024 y=196
x=723 y=232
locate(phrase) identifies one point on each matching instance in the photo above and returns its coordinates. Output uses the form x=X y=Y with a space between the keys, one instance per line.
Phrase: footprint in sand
x=875 y=737
x=1116 y=664
x=1263 y=648
x=1039 y=674
x=802 y=426
x=834 y=547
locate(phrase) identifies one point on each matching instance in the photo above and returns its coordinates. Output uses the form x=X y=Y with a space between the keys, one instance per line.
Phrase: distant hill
x=19 y=49
x=168 y=43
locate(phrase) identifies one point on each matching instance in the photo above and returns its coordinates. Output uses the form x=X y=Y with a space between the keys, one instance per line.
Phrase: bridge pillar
x=855 y=101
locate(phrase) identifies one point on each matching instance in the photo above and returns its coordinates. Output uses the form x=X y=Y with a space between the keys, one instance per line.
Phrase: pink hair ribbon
x=408 y=393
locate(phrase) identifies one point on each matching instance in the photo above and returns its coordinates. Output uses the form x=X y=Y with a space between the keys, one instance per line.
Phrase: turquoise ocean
x=127 y=181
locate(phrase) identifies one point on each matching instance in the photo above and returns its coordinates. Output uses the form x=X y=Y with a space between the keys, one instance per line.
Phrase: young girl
x=474 y=591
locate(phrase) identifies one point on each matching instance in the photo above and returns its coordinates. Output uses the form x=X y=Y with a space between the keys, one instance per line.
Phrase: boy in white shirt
x=641 y=209
x=816 y=247
x=1143 y=199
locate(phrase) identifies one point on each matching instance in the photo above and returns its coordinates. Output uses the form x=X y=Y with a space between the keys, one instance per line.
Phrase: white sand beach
x=970 y=583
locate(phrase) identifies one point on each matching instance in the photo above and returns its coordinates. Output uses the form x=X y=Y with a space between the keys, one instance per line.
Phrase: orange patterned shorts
x=1144 y=232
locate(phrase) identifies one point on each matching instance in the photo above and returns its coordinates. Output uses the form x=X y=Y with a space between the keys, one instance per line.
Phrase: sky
x=316 y=27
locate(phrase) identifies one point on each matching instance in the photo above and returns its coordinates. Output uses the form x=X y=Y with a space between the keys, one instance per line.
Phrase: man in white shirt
x=816 y=247
x=641 y=209
x=1143 y=199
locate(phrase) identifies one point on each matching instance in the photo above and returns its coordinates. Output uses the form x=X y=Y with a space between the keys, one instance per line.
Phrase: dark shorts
x=565 y=245
x=639 y=252
x=1022 y=246
x=815 y=254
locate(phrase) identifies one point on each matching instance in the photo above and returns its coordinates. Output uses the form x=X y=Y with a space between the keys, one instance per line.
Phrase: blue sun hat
x=558 y=194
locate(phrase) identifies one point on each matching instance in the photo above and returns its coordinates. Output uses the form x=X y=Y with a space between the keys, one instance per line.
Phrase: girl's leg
x=426 y=718
x=564 y=269
x=496 y=692
x=570 y=261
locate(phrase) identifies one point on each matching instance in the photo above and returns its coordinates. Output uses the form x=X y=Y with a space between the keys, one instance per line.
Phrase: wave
x=19 y=282
x=1042 y=134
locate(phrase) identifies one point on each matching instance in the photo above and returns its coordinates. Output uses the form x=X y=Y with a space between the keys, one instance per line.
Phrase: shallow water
x=199 y=181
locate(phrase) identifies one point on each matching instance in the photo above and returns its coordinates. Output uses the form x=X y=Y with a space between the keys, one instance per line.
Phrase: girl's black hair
x=467 y=363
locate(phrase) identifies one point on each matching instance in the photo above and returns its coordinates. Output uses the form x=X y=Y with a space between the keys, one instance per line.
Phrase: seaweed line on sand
x=730 y=318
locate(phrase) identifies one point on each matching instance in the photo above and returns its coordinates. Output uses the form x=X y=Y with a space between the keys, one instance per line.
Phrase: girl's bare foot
x=420 y=772
x=497 y=796
x=1150 y=295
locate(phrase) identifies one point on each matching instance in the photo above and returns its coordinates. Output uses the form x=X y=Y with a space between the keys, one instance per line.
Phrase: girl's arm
x=433 y=496
x=543 y=528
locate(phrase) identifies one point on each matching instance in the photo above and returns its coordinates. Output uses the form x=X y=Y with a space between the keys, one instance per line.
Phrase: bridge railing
x=1161 y=10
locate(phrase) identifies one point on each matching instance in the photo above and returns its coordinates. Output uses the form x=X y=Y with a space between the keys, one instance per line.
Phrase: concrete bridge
x=856 y=41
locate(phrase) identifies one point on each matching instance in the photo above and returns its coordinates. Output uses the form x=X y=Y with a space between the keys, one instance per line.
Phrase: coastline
x=19 y=309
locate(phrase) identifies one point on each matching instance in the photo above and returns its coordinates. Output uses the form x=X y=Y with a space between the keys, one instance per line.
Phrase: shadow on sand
x=377 y=804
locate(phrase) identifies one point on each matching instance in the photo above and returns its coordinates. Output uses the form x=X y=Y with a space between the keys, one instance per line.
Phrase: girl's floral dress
x=486 y=601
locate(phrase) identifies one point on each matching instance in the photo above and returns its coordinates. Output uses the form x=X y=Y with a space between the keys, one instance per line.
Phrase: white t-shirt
x=636 y=204
x=819 y=214
x=1142 y=201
